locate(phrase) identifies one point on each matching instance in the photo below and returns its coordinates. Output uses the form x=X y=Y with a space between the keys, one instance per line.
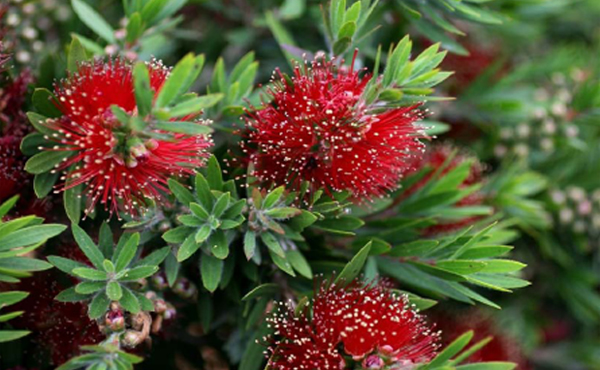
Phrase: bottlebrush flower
x=436 y=157
x=503 y=347
x=58 y=329
x=119 y=167
x=319 y=128
x=359 y=323
x=12 y=175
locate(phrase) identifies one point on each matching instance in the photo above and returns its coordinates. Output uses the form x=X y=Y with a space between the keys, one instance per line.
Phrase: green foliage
x=103 y=356
x=114 y=273
x=18 y=238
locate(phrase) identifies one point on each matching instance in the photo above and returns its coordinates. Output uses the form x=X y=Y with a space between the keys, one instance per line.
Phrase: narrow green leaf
x=114 y=291
x=87 y=246
x=126 y=254
x=98 y=306
x=93 y=20
x=354 y=267
x=211 y=269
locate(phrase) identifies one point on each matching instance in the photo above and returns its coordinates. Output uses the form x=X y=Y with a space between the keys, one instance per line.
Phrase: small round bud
x=132 y=338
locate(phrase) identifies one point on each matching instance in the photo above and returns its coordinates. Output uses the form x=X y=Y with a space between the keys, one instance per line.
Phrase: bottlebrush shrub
x=118 y=132
x=20 y=237
x=114 y=275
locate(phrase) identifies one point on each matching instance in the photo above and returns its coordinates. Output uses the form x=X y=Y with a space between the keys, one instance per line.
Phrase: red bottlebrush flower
x=118 y=167
x=12 y=162
x=359 y=322
x=58 y=328
x=435 y=158
x=319 y=128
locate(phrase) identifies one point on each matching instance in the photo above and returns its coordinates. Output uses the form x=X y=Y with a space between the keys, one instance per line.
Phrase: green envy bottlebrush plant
x=114 y=273
x=19 y=237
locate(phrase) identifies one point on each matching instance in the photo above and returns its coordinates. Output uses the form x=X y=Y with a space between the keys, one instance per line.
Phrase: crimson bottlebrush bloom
x=12 y=174
x=118 y=167
x=358 y=323
x=502 y=347
x=319 y=128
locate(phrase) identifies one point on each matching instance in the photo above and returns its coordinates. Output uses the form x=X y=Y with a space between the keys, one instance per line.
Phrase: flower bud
x=132 y=338
x=373 y=362
x=114 y=320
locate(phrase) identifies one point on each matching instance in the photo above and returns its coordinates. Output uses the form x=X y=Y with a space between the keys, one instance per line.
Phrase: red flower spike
x=119 y=168
x=318 y=128
x=12 y=175
x=361 y=322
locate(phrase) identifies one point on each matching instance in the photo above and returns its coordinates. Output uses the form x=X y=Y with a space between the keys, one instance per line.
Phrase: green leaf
x=462 y=267
x=30 y=235
x=502 y=266
x=89 y=287
x=273 y=197
x=43 y=183
x=106 y=240
x=178 y=234
x=114 y=291
x=181 y=192
x=249 y=244
x=492 y=365
x=7 y=205
x=76 y=55
x=184 y=127
x=143 y=91
x=195 y=105
x=24 y=264
x=452 y=349
x=283 y=213
x=65 y=265
x=155 y=258
x=129 y=301
x=139 y=272
x=171 y=268
x=199 y=211
x=98 y=306
x=70 y=295
x=263 y=290
x=354 y=267
x=218 y=244
x=211 y=269
x=272 y=244
x=90 y=274
x=202 y=234
x=87 y=246
x=72 y=202
x=126 y=254
x=45 y=102
x=299 y=263
x=203 y=192
x=188 y=248
x=93 y=20
x=45 y=161
x=134 y=29
x=177 y=81
x=347 y=30
x=9 y=298
x=220 y=205
x=9 y=335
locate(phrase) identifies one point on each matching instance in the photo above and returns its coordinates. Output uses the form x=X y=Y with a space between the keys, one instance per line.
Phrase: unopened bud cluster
x=549 y=127
x=578 y=210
